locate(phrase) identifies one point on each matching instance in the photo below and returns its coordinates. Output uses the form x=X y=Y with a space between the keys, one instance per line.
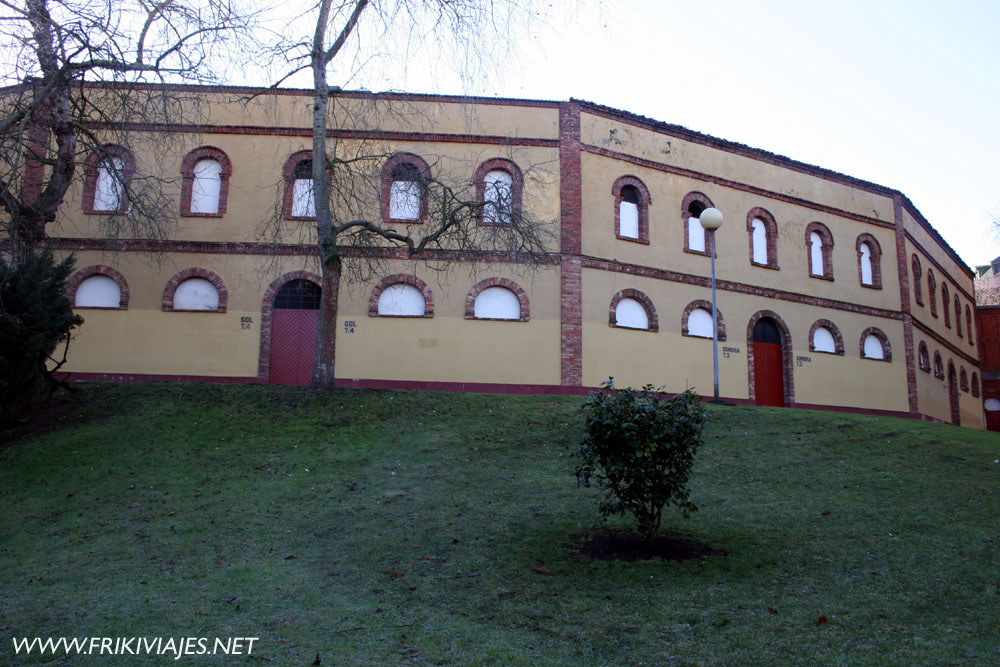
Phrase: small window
x=498 y=204
x=938 y=365
x=873 y=348
x=823 y=341
x=303 y=191
x=299 y=294
x=958 y=316
x=865 y=257
x=763 y=232
x=497 y=303
x=205 y=186
x=758 y=241
x=815 y=254
x=932 y=292
x=918 y=294
x=696 y=233
x=945 y=299
x=631 y=314
x=696 y=320
x=110 y=185
x=923 y=357
x=819 y=243
x=401 y=300
x=404 y=177
x=968 y=323
x=975 y=384
x=98 y=292
x=992 y=404
x=700 y=323
x=875 y=345
x=869 y=261
x=628 y=213
x=631 y=199
x=963 y=380
x=196 y=294
x=696 y=240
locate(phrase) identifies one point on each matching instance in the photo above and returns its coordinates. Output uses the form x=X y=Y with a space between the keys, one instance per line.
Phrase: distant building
x=834 y=293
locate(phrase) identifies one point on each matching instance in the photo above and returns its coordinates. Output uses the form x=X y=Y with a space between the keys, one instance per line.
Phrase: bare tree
x=460 y=219
x=80 y=76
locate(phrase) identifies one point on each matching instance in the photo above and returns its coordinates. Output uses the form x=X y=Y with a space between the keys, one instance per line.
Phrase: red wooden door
x=768 y=375
x=293 y=346
x=993 y=420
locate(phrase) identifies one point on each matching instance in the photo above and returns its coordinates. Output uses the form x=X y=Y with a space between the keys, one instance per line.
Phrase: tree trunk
x=326 y=332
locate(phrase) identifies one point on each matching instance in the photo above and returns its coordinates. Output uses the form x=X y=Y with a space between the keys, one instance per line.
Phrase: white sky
x=904 y=93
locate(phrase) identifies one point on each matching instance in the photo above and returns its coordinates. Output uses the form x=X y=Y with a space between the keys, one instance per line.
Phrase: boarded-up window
x=759 y=242
x=303 y=196
x=628 y=212
x=866 y=264
x=816 y=254
x=98 y=292
x=498 y=197
x=196 y=294
x=404 y=193
x=631 y=314
x=402 y=300
x=206 y=187
x=110 y=188
x=497 y=303
x=823 y=341
x=700 y=323
x=873 y=347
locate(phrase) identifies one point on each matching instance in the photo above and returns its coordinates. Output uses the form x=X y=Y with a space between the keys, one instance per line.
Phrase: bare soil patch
x=624 y=546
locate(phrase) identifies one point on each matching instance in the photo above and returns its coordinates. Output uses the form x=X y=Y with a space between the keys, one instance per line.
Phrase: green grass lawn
x=378 y=527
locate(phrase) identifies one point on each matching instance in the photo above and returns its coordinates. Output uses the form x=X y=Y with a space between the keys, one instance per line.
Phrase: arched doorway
x=956 y=414
x=294 y=320
x=768 y=363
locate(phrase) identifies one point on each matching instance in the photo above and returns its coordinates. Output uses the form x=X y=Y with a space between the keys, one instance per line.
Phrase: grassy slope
x=384 y=527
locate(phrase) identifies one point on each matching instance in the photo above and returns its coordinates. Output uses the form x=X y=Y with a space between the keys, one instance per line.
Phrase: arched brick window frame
x=826 y=250
x=876 y=260
x=647 y=304
x=956 y=412
x=770 y=235
x=187 y=176
x=288 y=175
x=522 y=297
x=923 y=357
x=266 y=312
x=838 y=339
x=938 y=365
x=702 y=304
x=946 y=303
x=918 y=292
x=958 y=316
x=932 y=292
x=786 y=355
x=963 y=379
x=386 y=189
x=401 y=279
x=92 y=169
x=97 y=270
x=479 y=178
x=882 y=338
x=695 y=202
x=968 y=324
x=644 y=202
x=975 y=384
x=196 y=272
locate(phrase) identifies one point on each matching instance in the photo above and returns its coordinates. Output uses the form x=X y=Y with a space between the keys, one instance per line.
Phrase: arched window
x=975 y=384
x=401 y=295
x=632 y=201
x=869 y=261
x=631 y=309
x=404 y=179
x=963 y=380
x=300 y=201
x=819 y=244
x=824 y=336
x=945 y=305
x=875 y=345
x=958 y=316
x=918 y=293
x=98 y=287
x=106 y=176
x=695 y=238
x=923 y=357
x=696 y=320
x=498 y=188
x=763 y=231
x=205 y=174
x=932 y=292
x=968 y=323
x=497 y=299
x=938 y=365
x=196 y=289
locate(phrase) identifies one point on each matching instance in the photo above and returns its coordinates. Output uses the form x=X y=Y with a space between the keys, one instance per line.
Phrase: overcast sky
x=901 y=93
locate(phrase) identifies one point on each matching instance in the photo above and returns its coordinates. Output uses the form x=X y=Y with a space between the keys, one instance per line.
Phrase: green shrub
x=639 y=446
x=35 y=316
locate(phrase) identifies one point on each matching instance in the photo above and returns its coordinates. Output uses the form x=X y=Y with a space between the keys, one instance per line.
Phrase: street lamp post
x=711 y=220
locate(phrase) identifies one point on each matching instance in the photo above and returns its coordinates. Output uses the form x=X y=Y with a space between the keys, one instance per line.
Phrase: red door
x=294 y=320
x=768 y=375
x=993 y=420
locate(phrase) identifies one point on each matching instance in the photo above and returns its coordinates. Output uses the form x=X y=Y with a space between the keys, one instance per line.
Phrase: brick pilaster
x=571 y=203
x=904 y=305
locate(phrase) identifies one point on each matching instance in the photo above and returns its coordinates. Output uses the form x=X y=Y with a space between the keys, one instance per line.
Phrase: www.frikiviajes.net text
x=169 y=646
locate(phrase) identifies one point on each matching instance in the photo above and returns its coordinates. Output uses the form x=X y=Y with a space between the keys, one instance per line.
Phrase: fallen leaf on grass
x=826 y=512
x=290 y=557
x=821 y=620
x=772 y=610
x=543 y=570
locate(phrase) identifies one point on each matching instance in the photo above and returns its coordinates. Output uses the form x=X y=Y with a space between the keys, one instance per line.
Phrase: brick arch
x=522 y=297
x=92 y=168
x=385 y=190
x=932 y=292
x=479 y=179
x=644 y=202
x=786 y=354
x=923 y=355
x=938 y=365
x=288 y=175
x=770 y=234
x=826 y=248
x=686 y=203
x=838 y=339
x=196 y=272
x=97 y=270
x=876 y=259
x=187 y=176
x=647 y=304
x=702 y=304
x=401 y=279
x=918 y=292
x=266 y=312
x=963 y=379
x=882 y=338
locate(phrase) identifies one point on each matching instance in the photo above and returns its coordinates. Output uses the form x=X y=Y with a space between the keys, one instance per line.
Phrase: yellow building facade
x=833 y=292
